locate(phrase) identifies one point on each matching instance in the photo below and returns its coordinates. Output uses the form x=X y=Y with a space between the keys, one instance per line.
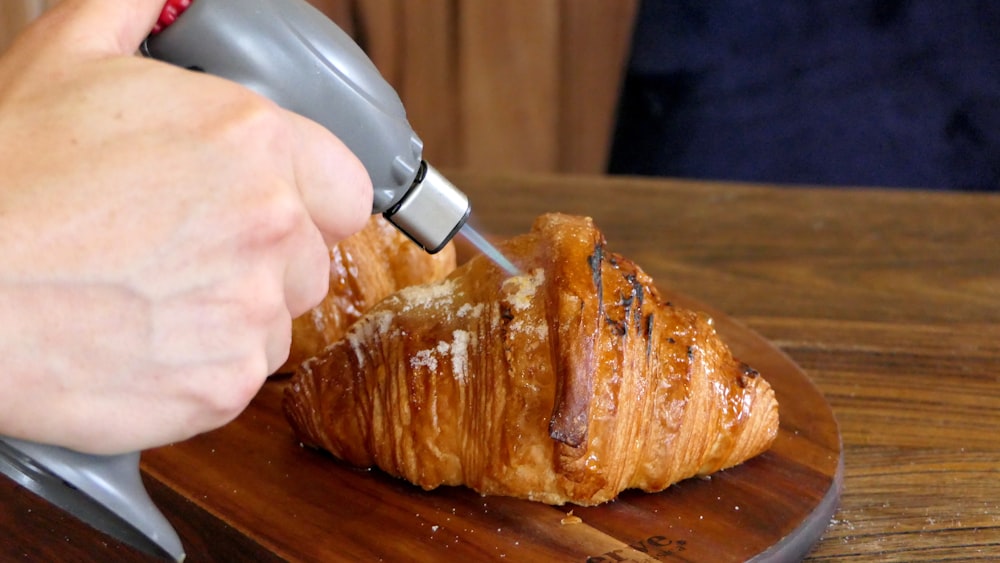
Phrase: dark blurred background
x=892 y=93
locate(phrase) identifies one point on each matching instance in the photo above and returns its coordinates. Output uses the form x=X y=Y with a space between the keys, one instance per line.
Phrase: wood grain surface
x=888 y=300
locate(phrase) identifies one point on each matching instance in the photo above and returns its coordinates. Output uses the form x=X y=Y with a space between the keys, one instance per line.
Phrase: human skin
x=159 y=230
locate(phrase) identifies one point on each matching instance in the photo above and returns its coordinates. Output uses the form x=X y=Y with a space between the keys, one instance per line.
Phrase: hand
x=159 y=229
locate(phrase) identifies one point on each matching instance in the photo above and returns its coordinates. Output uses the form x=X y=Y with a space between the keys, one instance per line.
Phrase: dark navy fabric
x=894 y=93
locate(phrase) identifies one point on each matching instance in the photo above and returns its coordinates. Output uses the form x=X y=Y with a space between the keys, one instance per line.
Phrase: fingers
x=278 y=346
x=99 y=27
x=332 y=182
x=307 y=275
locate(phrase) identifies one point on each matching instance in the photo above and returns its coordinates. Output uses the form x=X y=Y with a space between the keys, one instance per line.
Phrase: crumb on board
x=570 y=518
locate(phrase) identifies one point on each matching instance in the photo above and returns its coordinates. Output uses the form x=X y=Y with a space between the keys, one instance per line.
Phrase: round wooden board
x=249 y=490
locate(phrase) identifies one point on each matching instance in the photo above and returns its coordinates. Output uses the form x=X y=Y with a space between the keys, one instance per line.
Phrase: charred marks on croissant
x=506 y=316
x=595 y=261
x=746 y=375
x=506 y=313
x=631 y=305
x=640 y=296
x=649 y=336
x=618 y=327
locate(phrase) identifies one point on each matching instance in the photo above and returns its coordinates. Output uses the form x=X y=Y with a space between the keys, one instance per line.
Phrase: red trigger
x=171 y=10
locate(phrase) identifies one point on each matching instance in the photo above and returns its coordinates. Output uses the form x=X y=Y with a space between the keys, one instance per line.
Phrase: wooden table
x=889 y=301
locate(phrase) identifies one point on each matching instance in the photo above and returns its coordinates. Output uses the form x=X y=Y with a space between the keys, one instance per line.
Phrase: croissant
x=569 y=382
x=364 y=268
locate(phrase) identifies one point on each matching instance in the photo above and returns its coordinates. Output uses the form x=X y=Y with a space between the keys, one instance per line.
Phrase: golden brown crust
x=364 y=268
x=568 y=383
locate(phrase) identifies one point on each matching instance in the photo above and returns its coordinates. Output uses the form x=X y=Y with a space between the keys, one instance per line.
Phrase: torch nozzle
x=432 y=211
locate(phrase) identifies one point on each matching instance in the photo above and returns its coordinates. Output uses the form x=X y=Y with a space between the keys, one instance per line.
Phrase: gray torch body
x=291 y=53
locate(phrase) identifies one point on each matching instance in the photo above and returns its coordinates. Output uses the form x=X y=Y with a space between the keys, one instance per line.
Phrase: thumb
x=101 y=27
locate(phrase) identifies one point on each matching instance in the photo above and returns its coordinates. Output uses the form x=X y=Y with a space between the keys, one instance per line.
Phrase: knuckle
x=251 y=124
x=263 y=301
x=237 y=389
x=278 y=217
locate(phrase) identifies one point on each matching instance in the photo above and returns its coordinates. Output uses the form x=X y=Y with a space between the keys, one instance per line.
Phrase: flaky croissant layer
x=569 y=382
x=364 y=268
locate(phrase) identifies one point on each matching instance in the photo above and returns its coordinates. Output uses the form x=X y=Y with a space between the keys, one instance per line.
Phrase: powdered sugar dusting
x=425 y=359
x=379 y=322
x=469 y=310
x=365 y=329
x=457 y=351
x=460 y=355
x=538 y=329
x=525 y=288
x=423 y=296
x=520 y=300
x=316 y=314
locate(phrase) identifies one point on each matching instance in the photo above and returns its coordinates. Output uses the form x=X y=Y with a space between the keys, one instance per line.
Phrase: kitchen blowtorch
x=287 y=51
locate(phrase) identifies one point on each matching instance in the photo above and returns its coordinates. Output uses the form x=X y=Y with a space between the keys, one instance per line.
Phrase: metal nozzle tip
x=432 y=211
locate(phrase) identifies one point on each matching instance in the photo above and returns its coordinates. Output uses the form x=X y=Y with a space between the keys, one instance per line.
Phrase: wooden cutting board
x=249 y=490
